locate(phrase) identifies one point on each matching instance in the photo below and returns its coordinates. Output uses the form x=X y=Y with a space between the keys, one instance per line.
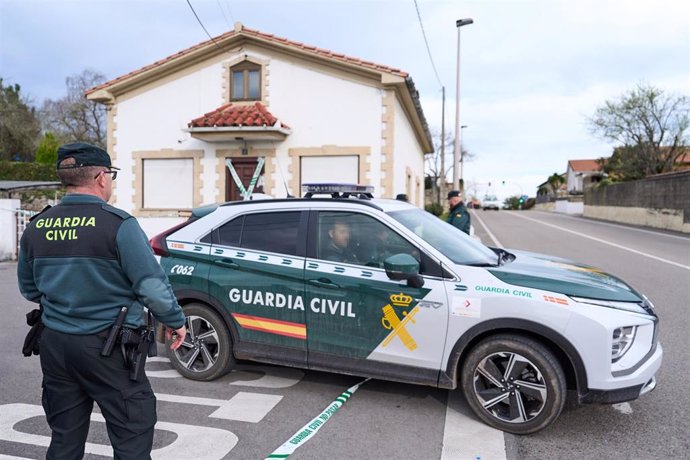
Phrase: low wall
x=548 y=206
x=669 y=219
x=569 y=207
x=661 y=201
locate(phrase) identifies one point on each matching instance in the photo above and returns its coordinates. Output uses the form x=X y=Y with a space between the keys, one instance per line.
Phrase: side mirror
x=403 y=267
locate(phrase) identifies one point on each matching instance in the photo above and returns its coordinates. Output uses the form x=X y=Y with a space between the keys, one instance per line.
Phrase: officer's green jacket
x=83 y=260
x=459 y=217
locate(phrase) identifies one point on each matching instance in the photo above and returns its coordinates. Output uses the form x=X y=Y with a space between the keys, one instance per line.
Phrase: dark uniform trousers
x=74 y=376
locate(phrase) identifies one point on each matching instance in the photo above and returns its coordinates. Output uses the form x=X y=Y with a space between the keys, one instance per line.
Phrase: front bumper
x=618 y=395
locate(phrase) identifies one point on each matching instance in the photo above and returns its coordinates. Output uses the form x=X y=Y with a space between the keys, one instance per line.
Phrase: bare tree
x=651 y=126
x=74 y=118
x=435 y=165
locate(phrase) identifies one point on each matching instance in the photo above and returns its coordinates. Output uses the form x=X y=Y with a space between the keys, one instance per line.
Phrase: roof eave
x=236 y=133
x=409 y=98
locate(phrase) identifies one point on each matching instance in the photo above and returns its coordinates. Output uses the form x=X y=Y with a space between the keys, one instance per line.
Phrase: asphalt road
x=657 y=264
x=250 y=412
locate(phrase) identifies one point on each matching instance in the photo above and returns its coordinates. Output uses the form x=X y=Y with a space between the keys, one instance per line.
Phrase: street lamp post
x=458 y=131
x=462 y=158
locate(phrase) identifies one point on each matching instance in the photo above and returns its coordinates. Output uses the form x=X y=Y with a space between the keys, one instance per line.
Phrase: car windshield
x=448 y=240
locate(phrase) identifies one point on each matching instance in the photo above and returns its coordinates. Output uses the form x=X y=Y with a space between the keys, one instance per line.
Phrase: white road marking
x=217 y=443
x=491 y=235
x=466 y=437
x=162 y=374
x=599 y=240
x=608 y=224
x=623 y=408
x=12 y=457
x=243 y=407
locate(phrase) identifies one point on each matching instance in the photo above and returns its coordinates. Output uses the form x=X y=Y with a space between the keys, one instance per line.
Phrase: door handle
x=226 y=263
x=325 y=283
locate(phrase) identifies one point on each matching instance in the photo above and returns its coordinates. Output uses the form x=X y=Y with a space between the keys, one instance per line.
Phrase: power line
x=227 y=4
x=202 y=25
x=222 y=10
x=421 y=25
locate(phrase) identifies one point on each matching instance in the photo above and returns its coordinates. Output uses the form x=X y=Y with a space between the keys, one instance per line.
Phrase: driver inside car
x=338 y=246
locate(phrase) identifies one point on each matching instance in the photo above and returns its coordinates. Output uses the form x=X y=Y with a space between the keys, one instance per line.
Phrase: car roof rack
x=337 y=190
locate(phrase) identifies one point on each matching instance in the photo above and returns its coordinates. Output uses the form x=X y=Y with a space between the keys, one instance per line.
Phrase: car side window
x=229 y=233
x=358 y=239
x=271 y=232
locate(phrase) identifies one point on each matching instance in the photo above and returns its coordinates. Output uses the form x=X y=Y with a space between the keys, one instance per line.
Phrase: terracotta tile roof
x=584 y=165
x=326 y=53
x=229 y=115
x=263 y=36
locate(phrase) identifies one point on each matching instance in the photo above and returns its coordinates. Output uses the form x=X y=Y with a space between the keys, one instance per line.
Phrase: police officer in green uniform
x=84 y=260
x=458 y=215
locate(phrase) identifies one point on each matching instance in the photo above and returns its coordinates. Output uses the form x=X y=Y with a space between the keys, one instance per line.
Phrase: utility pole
x=442 y=186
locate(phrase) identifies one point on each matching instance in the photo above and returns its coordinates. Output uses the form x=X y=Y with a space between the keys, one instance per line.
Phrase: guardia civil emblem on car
x=380 y=288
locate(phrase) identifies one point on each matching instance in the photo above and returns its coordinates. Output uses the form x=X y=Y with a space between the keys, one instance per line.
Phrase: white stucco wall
x=323 y=108
x=568 y=207
x=407 y=154
x=154 y=120
x=573 y=182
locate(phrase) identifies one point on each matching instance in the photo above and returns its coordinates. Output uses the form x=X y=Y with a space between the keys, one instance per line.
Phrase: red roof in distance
x=584 y=165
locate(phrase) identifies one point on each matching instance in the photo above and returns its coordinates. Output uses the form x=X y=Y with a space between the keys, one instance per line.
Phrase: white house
x=311 y=114
x=581 y=174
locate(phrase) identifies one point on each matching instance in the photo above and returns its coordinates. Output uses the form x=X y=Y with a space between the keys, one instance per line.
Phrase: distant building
x=582 y=174
x=545 y=193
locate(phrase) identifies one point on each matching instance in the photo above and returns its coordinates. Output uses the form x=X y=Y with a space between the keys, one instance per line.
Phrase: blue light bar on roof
x=319 y=188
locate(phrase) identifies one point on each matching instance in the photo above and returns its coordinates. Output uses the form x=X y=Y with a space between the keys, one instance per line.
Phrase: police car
x=379 y=288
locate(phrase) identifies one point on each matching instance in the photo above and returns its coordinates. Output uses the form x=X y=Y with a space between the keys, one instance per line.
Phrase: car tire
x=206 y=353
x=531 y=401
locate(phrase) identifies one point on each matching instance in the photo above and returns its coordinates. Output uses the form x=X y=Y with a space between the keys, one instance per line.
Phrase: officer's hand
x=177 y=336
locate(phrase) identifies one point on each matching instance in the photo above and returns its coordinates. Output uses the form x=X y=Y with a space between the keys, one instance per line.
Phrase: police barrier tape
x=307 y=431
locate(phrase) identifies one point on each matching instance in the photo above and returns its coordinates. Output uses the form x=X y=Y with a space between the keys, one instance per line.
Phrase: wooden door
x=245 y=167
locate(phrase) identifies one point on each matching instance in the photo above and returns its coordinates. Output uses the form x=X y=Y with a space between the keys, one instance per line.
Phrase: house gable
x=181 y=141
x=243 y=39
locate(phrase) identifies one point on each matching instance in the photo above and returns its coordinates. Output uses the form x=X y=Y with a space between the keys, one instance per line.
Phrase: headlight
x=622 y=340
x=634 y=307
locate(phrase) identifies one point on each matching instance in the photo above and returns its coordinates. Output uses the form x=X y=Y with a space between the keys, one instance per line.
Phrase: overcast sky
x=531 y=71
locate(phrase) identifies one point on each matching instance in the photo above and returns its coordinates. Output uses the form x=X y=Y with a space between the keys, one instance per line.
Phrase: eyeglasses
x=111 y=171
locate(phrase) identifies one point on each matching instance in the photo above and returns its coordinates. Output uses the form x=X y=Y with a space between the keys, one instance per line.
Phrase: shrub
x=434 y=208
x=17 y=170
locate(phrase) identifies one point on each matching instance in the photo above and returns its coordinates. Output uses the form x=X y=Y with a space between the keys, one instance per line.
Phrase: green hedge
x=17 y=170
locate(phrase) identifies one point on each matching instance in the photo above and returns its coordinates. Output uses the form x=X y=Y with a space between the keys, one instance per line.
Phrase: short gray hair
x=76 y=177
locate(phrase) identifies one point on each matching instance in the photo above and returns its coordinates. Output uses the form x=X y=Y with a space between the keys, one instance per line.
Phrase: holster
x=137 y=345
x=33 y=319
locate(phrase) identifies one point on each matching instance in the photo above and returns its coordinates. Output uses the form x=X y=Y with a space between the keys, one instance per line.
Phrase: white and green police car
x=380 y=288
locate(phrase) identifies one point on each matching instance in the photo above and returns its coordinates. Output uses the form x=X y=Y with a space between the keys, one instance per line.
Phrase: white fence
x=12 y=224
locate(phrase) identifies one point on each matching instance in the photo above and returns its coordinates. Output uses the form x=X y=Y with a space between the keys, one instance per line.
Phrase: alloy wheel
x=510 y=387
x=199 y=351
